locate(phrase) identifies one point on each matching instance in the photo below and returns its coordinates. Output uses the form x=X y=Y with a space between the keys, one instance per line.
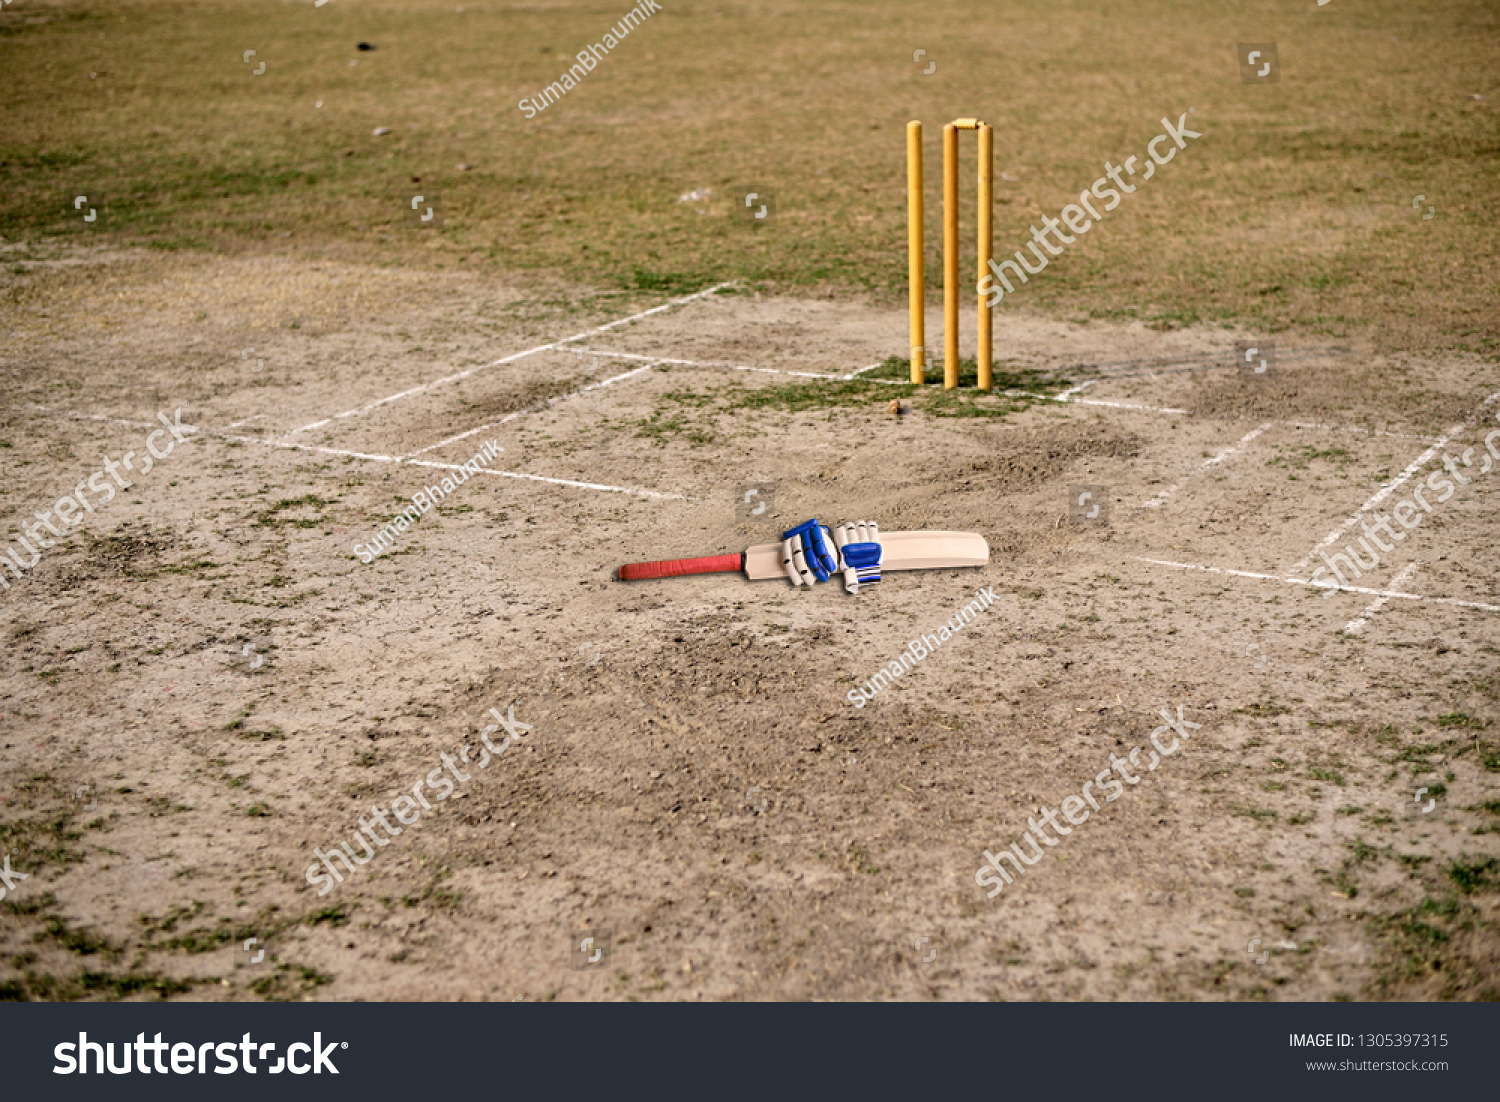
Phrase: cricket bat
x=900 y=551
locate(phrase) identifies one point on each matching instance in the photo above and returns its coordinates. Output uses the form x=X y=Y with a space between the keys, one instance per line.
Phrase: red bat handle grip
x=672 y=568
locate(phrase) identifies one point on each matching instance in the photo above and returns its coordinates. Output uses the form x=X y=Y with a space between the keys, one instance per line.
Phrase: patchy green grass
x=660 y=427
x=289 y=982
x=1473 y=875
x=1264 y=709
x=1260 y=814
x=271 y=517
x=149 y=111
x=1300 y=458
x=264 y=925
x=697 y=415
x=268 y=735
x=87 y=984
x=39 y=840
x=1442 y=947
x=335 y=916
x=96 y=981
x=1032 y=382
x=1437 y=949
x=1417 y=756
x=1463 y=720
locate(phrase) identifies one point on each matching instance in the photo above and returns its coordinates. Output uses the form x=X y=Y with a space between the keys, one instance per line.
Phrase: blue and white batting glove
x=860 y=554
x=807 y=556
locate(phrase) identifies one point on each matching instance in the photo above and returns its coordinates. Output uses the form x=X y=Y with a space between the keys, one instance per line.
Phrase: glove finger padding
x=860 y=553
x=863 y=531
x=806 y=554
x=796 y=563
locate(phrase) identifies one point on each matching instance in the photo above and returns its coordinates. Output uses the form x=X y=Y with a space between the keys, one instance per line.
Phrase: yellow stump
x=915 y=276
x=950 y=256
x=986 y=248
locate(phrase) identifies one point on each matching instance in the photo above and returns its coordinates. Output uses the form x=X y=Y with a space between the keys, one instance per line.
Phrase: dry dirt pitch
x=234 y=687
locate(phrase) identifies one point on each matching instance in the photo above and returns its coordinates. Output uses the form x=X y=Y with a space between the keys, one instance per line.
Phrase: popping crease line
x=857 y=373
x=509 y=359
x=561 y=481
x=1356 y=428
x=1243 y=442
x=288 y=445
x=726 y=366
x=512 y=416
x=1193 y=363
x=1387 y=593
x=86 y=416
x=1067 y=397
x=1389 y=488
x=1356 y=625
x=453 y=466
x=1121 y=405
x=1072 y=390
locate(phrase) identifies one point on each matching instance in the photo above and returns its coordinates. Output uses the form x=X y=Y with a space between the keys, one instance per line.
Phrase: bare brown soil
x=696 y=783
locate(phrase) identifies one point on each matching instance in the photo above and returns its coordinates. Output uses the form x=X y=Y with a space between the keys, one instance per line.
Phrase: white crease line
x=555 y=481
x=813 y=375
x=220 y=434
x=611 y=355
x=504 y=360
x=1353 y=627
x=1197 y=362
x=88 y=416
x=286 y=444
x=1072 y=390
x=781 y=371
x=197 y=429
x=512 y=416
x=731 y=367
x=653 y=310
x=1388 y=489
x=419 y=390
x=1160 y=371
x=1214 y=462
x=612 y=379
x=447 y=466
x=1379 y=496
x=1321 y=585
x=1353 y=428
x=1119 y=405
x=743 y=367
